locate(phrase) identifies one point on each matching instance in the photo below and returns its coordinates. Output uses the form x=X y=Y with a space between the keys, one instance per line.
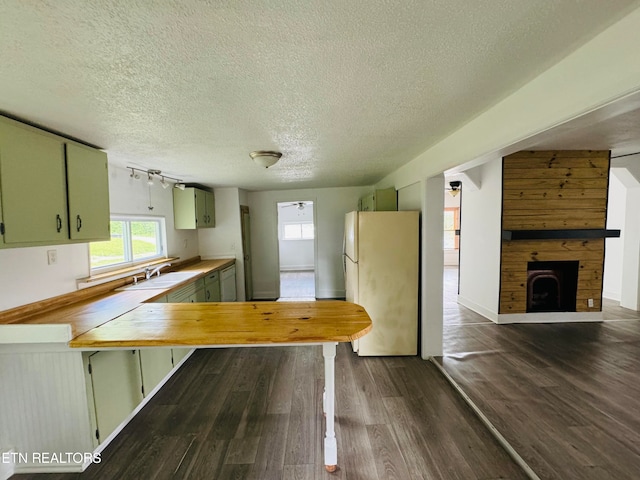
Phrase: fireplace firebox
x=552 y=286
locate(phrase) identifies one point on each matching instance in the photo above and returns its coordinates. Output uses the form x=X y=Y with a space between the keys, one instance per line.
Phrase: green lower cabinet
x=212 y=287
x=115 y=383
x=179 y=354
x=155 y=364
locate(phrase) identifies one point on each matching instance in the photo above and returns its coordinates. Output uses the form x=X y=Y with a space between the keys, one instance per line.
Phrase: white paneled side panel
x=44 y=408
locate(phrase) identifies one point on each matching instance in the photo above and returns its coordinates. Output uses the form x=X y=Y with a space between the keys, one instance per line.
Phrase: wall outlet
x=52 y=257
x=590 y=302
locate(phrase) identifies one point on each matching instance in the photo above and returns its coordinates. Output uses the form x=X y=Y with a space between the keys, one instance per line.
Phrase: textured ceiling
x=347 y=90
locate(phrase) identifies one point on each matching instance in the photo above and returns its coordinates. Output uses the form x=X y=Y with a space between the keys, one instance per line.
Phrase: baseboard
x=485 y=312
x=297 y=268
x=550 y=317
x=615 y=296
x=265 y=296
x=511 y=451
x=331 y=294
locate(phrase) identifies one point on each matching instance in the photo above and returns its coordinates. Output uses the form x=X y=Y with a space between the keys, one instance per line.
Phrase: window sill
x=120 y=273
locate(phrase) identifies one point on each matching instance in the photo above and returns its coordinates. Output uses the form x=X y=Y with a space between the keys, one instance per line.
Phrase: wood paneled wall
x=553 y=190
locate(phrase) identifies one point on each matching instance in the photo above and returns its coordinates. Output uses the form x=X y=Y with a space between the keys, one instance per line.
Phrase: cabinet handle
x=58 y=223
x=78 y=223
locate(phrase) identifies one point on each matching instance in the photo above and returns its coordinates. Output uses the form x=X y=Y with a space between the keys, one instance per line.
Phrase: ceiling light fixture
x=265 y=158
x=180 y=186
x=164 y=183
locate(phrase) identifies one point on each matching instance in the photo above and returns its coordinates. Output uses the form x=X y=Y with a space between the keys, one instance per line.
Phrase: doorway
x=245 y=226
x=296 y=245
x=451 y=244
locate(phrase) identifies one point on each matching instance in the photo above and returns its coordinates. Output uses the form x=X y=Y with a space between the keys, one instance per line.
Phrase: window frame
x=130 y=261
x=456 y=227
x=302 y=237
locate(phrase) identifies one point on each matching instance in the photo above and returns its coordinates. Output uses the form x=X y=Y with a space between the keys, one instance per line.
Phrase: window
x=451 y=224
x=133 y=240
x=298 y=231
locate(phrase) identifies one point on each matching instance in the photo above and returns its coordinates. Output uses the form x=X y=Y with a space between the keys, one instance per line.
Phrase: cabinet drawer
x=182 y=294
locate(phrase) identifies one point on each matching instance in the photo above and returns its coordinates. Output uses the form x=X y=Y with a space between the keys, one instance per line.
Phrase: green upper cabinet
x=88 y=189
x=48 y=187
x=379 y=201
x=32 y=186
x=193 y=208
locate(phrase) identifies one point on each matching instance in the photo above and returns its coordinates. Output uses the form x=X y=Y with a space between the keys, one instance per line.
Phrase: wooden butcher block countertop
x=88 y=313
x=233 y=323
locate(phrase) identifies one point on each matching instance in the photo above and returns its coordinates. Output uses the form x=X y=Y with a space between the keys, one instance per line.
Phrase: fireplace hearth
x=552 y=286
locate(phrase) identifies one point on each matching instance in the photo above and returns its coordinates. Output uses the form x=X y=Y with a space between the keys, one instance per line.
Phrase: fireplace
x=552 y=286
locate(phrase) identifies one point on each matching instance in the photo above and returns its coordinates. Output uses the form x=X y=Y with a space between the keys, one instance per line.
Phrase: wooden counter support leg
x=330 y=446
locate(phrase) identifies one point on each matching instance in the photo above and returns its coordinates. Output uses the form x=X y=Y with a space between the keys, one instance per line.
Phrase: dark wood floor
x=565 y=396
x=255 y=413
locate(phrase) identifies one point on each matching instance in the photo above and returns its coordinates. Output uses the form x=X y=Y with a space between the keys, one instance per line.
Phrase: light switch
x=52 y=257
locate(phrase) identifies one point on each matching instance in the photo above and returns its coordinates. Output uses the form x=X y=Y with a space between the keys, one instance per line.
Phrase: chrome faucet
x=150 y=272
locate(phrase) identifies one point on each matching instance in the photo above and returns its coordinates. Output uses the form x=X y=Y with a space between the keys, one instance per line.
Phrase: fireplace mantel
x=574 y=234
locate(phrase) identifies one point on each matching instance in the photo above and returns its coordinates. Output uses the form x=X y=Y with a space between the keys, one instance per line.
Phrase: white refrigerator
x=381 y=256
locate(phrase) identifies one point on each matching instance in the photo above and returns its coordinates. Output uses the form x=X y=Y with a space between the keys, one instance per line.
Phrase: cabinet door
x=88 y=190
x=179 y=354
x=155 y=364
x=201 y=209
x=368 y=203
x=184 y=208
x=117 y=387
x=32 y=186
x=386 y=200
x=210 y=208
x=212 y=287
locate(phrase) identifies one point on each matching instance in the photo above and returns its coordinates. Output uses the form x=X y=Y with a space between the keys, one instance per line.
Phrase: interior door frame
x=314 y=201
x=248 y=279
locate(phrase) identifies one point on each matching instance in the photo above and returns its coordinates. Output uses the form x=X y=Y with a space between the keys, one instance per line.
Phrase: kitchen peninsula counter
x=232 y=323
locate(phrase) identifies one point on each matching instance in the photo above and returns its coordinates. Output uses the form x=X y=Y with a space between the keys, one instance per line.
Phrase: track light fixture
x=151 y=173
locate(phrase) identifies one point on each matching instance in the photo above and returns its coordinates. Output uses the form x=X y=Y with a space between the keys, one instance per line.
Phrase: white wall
x=330 y=206
x=225 y=240
x=480 y=243
x=410 y=197
x=25 y=276
x=295 y=254
x=616 y=212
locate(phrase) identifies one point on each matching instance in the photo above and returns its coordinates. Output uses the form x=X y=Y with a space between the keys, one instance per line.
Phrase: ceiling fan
x=298 y=205
x=454 y=187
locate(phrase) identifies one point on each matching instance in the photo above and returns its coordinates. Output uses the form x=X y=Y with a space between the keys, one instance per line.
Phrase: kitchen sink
x=166 y=280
